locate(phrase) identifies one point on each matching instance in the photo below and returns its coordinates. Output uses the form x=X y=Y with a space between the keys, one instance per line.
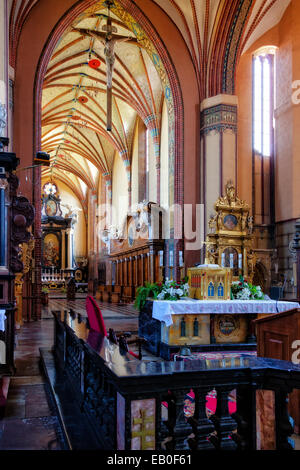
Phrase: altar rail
x=135 y=404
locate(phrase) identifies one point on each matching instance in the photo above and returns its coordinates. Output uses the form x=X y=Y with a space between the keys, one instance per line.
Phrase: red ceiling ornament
x=83 y=99
x=75 y=118
x=94 y=63
x=67 y=142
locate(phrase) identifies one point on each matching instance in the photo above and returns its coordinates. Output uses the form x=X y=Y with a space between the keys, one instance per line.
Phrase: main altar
x=210 y=319
x=219 y=325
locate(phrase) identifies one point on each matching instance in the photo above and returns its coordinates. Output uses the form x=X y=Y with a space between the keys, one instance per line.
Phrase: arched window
x=264 y=100
x=263 y=134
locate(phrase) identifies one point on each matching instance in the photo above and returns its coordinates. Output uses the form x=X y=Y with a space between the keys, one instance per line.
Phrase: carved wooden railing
x=135 y=404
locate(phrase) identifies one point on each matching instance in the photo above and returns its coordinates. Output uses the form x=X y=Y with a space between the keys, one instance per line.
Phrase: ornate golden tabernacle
x=210 y=282
x=230 y=241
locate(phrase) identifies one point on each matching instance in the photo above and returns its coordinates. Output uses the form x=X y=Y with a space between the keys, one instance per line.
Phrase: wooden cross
x=108 y=39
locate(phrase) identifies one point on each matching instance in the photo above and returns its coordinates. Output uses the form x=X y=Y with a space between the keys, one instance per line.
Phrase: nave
x=30 y=418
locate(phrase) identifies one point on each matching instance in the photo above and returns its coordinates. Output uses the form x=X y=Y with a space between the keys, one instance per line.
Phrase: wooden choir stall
x=136 y=256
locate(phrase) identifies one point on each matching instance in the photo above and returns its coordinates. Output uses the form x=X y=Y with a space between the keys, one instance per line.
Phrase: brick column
x=37 y=233
x=219 y=148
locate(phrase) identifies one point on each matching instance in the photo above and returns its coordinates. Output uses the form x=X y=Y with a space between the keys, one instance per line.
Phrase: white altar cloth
x=2 y=320
x=164 y=309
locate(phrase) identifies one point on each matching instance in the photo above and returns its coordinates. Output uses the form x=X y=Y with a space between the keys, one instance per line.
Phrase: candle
x=161 y=258
x=240 y=261
x=231 y=260
x=223 y=260
x=180 y=259
x=171 y=259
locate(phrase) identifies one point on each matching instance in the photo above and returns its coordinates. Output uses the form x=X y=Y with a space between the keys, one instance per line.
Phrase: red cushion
x=95 y=316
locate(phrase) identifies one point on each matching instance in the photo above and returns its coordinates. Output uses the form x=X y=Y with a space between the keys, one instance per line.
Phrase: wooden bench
x=116 y=294
x=106 y=295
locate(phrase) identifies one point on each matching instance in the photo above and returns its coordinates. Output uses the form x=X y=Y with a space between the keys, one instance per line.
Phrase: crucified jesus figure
x=109 y=41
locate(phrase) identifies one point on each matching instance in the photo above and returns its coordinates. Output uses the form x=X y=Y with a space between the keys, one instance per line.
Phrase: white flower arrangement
x=242 y=290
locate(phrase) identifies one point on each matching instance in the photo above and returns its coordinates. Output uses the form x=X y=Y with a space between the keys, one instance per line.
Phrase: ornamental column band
x=218 y=148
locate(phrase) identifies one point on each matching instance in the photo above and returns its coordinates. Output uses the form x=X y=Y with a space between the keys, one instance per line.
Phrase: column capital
x=219 y=113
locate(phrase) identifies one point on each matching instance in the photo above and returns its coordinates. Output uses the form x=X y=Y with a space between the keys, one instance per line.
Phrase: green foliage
x=169 y=290
x=143 y=292
x=45 y=290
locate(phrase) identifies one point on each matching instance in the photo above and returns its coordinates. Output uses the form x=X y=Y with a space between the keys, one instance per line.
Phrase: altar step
x=167 y=351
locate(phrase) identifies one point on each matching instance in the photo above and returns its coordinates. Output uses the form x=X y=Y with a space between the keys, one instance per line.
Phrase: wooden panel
x=275 y=336
x=276 y=345
x=231 y=328
x=173 y=334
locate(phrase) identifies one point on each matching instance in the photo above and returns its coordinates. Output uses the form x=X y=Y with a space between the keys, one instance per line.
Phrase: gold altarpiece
x=230 y=241
x=26 y=255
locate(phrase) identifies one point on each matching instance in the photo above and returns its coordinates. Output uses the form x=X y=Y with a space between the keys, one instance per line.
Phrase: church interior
x=150 y=225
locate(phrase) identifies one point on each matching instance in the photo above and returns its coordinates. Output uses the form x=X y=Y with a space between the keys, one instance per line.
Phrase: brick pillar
x=296 y=246
x=219 y=148
x=37 y=233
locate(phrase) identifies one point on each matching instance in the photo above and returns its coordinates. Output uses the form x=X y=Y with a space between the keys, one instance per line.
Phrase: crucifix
x=109 y=40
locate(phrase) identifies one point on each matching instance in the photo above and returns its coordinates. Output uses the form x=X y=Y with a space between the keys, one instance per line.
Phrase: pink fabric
x=96 y=319
x=134 y=354
x=95 y=316
x=211 y=403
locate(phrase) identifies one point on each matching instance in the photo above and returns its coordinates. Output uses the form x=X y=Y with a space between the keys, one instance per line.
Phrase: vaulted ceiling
x=74 y=104
x=74 y=95
x=214 y=29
